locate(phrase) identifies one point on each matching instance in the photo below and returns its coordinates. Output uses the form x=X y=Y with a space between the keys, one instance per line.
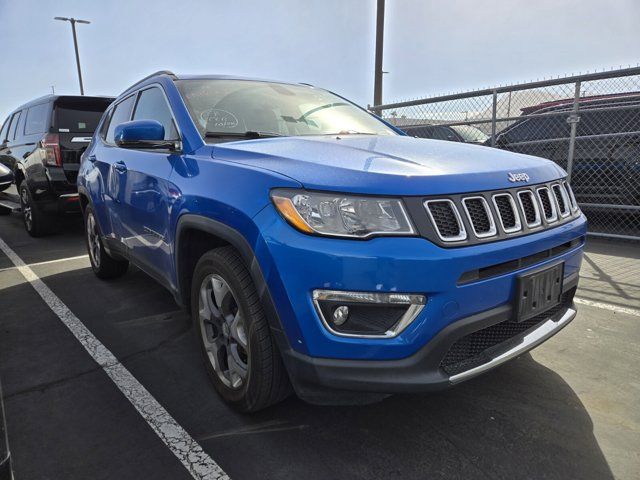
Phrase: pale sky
x=431 y=47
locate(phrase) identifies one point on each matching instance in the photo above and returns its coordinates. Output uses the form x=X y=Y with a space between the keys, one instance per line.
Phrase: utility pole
x=73 y=22
x=377 y=85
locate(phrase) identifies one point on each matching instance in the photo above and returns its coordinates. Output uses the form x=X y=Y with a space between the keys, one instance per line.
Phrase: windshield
x=235 y=107
x=470 y=134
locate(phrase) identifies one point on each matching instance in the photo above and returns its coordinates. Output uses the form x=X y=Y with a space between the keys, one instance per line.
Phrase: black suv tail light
x=51 y=144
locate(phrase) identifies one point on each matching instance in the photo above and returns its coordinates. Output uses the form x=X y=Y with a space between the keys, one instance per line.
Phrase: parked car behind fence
x=606 y=158
x=455 y=133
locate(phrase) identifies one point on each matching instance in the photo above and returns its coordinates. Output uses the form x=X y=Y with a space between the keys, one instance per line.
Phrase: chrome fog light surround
x=414 y=303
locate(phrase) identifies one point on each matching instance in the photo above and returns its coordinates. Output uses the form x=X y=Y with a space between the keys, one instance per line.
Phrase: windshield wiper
x=247 y=134
x=321 y=107
x=350 y=132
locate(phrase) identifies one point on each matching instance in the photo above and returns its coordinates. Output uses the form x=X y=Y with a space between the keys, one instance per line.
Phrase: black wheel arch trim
x=240 y=243
x=83 y=192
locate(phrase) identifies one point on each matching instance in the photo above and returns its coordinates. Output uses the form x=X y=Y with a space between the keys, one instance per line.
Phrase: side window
x=5 y=130
x=608 y=121
x=105 y=125
x=121 y=113
x=425 y=131
x=153 y=106
x=540 y=128
x=445 y=133
x=36 y=119
x=14 y=126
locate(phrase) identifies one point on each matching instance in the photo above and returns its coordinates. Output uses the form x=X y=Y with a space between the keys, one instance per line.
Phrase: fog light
x=367 y=314
x=340 y=315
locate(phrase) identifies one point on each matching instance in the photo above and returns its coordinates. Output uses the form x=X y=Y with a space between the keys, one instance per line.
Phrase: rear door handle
x=120 y=166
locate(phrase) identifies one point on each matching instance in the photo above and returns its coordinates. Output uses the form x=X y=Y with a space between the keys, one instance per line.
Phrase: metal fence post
x=573 y=119
x=494 y=115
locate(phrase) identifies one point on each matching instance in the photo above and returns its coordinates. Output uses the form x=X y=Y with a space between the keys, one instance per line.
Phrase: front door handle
x=120 y=166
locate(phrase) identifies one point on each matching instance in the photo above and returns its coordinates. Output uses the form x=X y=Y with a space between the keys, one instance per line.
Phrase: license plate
x=539 y=291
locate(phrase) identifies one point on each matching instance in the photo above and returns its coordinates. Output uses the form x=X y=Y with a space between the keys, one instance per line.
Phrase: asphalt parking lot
x=570 y=409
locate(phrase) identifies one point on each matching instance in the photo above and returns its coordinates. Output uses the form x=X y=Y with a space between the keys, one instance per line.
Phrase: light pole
x=377 y=85
x=73 y=22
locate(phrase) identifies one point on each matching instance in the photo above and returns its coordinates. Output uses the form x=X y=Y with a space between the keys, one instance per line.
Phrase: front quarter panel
x=226 y=192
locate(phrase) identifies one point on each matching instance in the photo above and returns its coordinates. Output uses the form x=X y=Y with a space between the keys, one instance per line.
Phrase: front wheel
x=240 y=354
x=102 y=264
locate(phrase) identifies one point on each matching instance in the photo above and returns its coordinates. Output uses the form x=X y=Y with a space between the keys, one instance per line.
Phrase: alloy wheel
x=27 y=210
x=224 y=333
x=93 y=240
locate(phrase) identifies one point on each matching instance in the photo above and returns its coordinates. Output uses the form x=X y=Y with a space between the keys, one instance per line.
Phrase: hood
x=387 y=165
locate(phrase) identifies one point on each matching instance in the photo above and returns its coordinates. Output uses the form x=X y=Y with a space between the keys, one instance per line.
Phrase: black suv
x=41 y=142
x=606 y=162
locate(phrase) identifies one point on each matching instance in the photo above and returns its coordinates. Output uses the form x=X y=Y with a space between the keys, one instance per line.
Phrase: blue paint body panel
x=230 y=183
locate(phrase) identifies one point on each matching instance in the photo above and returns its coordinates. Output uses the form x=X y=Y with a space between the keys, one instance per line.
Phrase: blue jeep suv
x=319 y=248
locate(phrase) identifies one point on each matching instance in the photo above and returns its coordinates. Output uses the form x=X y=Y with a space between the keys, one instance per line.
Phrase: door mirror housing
x=143 y=134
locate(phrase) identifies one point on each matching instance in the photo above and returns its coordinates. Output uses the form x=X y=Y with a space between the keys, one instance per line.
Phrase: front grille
x=547 y=204
x=473 y=218
x=560 y=198
x=508 y=212
x=476 y=348
x=446 y=219
x=529 y=207
x=572 y=198
x=480 y=216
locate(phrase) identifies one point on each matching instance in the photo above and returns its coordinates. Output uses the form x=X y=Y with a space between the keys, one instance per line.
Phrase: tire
x=102 y=264
x=240 y=354
x=36 y=223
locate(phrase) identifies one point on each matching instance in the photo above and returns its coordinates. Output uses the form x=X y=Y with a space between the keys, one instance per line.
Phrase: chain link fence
x=588 y=124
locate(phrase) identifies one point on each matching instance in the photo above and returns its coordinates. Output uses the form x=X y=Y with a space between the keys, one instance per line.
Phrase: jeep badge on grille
x=518 y=177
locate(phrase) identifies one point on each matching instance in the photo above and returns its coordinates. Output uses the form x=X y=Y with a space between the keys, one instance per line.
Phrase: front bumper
x=423 y=371
x=294 y=264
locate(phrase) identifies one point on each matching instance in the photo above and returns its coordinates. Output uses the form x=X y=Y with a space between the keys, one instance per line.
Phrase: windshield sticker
x=221 y=119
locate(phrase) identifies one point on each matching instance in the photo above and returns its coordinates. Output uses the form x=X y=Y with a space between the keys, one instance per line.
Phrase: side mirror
x=144 y=134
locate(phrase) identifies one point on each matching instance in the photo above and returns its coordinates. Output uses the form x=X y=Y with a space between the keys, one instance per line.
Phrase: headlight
x=342 y=215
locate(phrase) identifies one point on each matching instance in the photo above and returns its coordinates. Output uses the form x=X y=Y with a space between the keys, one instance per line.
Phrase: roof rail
x=155 y=74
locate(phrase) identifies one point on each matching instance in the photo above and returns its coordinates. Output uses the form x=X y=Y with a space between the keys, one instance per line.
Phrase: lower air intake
x=474 y=349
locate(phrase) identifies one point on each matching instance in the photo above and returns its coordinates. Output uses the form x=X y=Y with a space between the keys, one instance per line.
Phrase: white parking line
x=57 y=260
x=200 y=465
x=607 y=306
